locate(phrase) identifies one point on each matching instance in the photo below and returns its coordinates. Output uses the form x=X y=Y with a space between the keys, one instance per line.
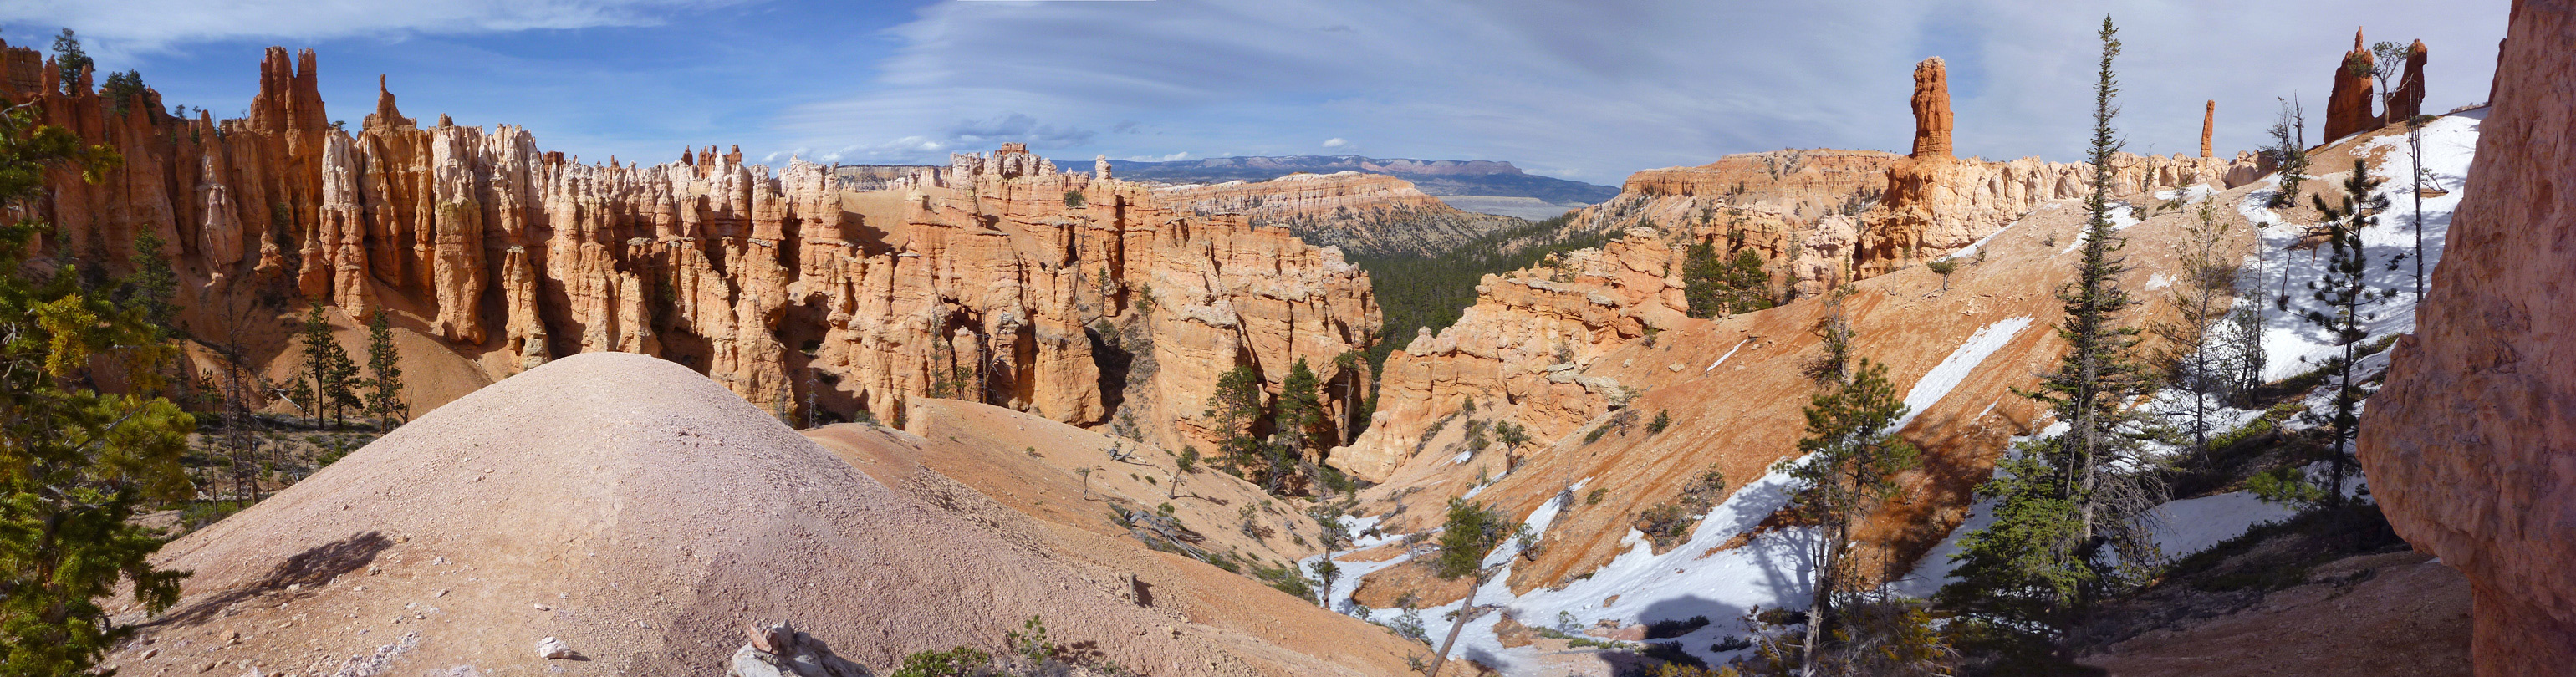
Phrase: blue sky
x=1583 y=90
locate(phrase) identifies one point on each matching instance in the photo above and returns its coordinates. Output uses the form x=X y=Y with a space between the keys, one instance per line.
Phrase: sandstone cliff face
x=2468 y=446
x=1524 y=348
x=978 y=281
x=1355 y=211
x=1819 y=218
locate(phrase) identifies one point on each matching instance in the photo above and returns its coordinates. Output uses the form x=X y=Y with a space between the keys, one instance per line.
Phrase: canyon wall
x=2469 y=445
x=1355 y=211
x=987 y=280
x=1818 y=218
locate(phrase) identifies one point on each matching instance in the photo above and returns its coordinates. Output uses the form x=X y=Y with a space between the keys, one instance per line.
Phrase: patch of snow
x=1721 y=359
x=2191 y=525
x=2277 y=271
x=2158 y=281
x=1945 y=376
x=1463 y=456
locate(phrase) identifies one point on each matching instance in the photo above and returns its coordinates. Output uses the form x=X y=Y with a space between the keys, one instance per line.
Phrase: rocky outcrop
x=2468 y=445
x=984 y=280
x=1935 y=203
x=1525 y=345
x=2348 y=108
x=1357 y=212
x=1931 y=109
x=1818 y=218
x=779 y=650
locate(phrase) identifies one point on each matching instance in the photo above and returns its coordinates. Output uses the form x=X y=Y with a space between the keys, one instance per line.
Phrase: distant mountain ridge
x=1442 y=178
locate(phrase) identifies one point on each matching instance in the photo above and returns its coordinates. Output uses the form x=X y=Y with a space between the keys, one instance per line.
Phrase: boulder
x=779 y=650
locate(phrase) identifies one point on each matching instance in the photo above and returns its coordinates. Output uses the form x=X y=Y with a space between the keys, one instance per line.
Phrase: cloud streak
x=1591 y=91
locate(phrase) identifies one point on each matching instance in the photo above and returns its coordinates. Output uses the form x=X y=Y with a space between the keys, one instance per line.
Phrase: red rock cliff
x=2471 y=446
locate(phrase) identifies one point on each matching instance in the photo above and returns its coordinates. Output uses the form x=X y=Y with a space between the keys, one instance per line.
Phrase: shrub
x=957 y=662
x=1663 y=419
x=1594 y=497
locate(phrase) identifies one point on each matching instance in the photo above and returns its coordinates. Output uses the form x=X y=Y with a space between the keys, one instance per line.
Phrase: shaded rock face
x=2348 y=107
x=2408 y=100
x=2469 y=445
x=1931 y=109
x=982 y=280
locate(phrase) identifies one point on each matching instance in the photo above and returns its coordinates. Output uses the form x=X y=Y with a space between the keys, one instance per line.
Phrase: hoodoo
x=2348 y=108
x=1931 y=109
x=2208 y=125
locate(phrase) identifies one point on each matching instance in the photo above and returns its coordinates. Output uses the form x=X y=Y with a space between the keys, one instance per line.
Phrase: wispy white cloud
x=1590 y=90
x=1336 y=142
x=126 y=27
x=1597 y=90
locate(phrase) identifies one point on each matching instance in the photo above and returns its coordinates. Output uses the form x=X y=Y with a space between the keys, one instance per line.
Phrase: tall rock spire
x=2348 y=108
x=2208 y=122
x=1931 y=108
x=386 y=115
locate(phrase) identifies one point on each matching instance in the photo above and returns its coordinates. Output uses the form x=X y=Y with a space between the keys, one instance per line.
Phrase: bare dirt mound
x=1020 y=473
x=644 y=515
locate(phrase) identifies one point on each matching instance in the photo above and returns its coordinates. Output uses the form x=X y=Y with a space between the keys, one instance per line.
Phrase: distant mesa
x=1489 y=186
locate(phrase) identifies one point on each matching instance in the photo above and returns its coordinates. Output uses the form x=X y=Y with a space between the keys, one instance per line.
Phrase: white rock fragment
x=551 y=648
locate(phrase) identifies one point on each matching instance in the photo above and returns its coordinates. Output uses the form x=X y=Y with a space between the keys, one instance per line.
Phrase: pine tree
x=1851 y=457
x=2065 y=497
x=384 y=371
x=328 y=367
x=1235 y=408
x=2347 y=294
x=1298 y=413
x=1471 y=533
x=70 y=61
x=1703 y=281
x=75 y=464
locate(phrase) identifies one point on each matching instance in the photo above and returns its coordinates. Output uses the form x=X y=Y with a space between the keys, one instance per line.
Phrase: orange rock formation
x=2348 y=108
x=2469 y=445
x=977 y=281
x=2408 y=100
x=1931 y=109
x=2208 y=125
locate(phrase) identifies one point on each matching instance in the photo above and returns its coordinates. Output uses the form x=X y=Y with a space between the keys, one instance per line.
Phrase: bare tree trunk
x=1457 y=625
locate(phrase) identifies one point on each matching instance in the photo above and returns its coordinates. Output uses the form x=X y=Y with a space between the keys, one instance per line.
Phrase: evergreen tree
x=2064 y=498
x=1471 y=533
x=2346 y=292
x=384 y=371
x=1851 y=456
x=328 y=367
x=1236 y=407
x=70 y=61
x=1298 y=413
x=1703 y=281
x=75 y=464
x=1749 y=283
